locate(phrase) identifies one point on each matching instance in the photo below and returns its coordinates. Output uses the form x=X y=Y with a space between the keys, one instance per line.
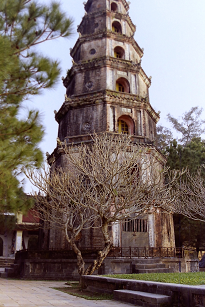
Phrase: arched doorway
x=119 y=52
x=33 y=242
x=1 y=246
x=125 y=125
x=114 y=7
x=122 y=85
x=116 y=27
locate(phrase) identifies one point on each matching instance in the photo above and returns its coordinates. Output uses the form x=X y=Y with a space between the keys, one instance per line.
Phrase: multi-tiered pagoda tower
x=107 y=90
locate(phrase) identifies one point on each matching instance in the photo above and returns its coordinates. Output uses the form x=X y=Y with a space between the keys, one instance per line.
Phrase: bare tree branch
x=102 y=183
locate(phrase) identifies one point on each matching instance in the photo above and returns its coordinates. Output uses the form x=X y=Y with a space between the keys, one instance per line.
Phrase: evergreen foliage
x=187 y=152
x=23 y=72
x=191 y=156
x=190 y=126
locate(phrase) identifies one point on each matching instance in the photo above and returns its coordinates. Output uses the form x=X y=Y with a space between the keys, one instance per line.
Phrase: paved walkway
x=22 y=293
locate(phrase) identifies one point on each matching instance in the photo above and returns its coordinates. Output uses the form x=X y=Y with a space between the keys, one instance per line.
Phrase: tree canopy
x=187 y=152
x=190 y=126
x=100 y=184
x=24 y=24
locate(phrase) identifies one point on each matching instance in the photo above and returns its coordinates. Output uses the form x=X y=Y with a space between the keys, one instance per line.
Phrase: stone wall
x=66 y=269
x=181 y=295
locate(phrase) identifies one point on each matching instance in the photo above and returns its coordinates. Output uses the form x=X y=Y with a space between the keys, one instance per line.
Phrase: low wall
x=183 y=265
x=49 y=269
x=66 y=269
x=125 y=265
x=181 y=295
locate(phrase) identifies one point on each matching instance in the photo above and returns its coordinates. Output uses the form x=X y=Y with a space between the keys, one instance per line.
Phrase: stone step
x=150 y=266
x=143 y=299
x=6 y=265
x=153 y=270
x=6 y=262
x=147 y=261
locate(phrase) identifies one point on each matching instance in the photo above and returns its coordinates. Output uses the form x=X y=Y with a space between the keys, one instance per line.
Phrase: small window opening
x=116 y=27
x=136 y=225
x=121 y=88
x=122 y=85
x=123 y=127
x=114 y=7
x=119 y=52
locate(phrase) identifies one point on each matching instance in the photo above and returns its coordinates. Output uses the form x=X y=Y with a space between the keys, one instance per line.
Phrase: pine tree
x=24 y=24
x=190 y=126
x=191 y=156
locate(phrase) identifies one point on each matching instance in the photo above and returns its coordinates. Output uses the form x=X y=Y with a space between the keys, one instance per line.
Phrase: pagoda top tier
x=95 y=5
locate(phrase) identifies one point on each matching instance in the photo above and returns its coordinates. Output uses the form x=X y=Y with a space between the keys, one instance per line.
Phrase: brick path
x=22 y=293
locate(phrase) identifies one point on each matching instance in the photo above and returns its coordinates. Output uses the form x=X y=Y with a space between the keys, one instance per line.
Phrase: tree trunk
x=80 y=261
x=101 y=254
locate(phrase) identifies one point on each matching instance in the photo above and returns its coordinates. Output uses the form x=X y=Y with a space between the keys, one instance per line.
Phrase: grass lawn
x=176 y=278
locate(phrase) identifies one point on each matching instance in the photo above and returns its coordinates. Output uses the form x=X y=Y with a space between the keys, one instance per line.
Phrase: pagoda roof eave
x=120 y=64
x=107 y=33
x=125 y=3
x=96 y=13
x=106 y=96
x=136 y=139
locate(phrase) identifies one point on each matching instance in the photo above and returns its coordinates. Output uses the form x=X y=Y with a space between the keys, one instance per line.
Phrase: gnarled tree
x=103 y=182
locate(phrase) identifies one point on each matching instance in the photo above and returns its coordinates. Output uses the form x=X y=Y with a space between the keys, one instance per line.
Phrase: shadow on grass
x=73 y=288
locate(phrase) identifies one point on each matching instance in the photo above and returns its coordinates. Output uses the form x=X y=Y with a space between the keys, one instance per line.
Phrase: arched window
x=119 y=52
x=116 y=27
x=122 y=85
x=114 y=7
x=125 y=125
x=1 y=247
x=122 y=127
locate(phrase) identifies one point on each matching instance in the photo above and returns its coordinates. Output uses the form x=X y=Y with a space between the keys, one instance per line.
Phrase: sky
x=172 y=33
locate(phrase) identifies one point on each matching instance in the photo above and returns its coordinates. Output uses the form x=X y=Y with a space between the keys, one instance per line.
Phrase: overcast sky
x=172 y=33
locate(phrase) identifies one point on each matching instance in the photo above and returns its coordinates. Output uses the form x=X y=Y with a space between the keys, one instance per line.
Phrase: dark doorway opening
x=1 y=247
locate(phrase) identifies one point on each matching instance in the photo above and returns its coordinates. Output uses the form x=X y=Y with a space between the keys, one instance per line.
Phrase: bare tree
x=105 y=181
x=190 y=200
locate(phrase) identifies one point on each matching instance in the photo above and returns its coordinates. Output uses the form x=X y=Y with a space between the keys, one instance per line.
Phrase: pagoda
x=107 y=90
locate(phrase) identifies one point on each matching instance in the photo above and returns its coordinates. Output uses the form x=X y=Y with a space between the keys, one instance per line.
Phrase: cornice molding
x=116 y=15
x=87 y=138
x=124 y=2
x=119 y=64
x=106 y=96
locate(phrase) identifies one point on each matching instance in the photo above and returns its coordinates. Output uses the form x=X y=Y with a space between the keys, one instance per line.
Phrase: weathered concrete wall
x=133 y=239
x=181 y=295
x=84 y=120
x=181 y=264
x=86 y=81
x=67 y=268
x=164 y=229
